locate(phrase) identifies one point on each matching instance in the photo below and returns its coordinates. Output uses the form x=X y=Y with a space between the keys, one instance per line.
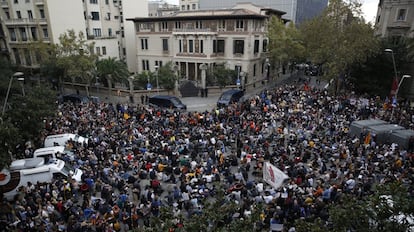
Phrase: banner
x=273 y=175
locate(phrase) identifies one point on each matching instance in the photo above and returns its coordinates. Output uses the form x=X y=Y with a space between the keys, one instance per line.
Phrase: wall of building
x=189 y=5
x=151 y=53
x=131 y=10
x=395 y=18
x=64 y=16
x=106 y=48
x=117 y=34
x=288 y=6
x=297 y=11
x=307 y=9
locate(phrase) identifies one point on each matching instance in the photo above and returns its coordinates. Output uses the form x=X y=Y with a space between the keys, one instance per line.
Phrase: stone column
x=203 y=68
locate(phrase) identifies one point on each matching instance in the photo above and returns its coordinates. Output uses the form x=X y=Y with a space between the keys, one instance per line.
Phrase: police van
x=62 y=139
x=56 y=152
x=33 y=170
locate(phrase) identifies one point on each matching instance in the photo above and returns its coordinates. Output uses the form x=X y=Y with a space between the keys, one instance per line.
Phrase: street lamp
x=396 y=93
x=238 y=74
x=243 y=80
x=267 y=67
x=393 y=61
x=149 y=86
x=19 y=78
x=156 y=78
x=97 y=85
x=399 y=84
x=175 y=70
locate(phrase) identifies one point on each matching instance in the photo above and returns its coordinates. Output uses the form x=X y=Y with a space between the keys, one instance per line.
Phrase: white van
x=62 y=139
x=34 y=170
x=56 y=152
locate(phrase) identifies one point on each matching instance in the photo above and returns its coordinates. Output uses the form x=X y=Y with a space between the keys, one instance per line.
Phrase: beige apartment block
x=234 y=37
x=161 y=8
x=101 y=21
x=395 y=18
x=189 y=5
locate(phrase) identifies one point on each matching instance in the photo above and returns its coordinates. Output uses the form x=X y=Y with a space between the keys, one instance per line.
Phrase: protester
x=141 y=158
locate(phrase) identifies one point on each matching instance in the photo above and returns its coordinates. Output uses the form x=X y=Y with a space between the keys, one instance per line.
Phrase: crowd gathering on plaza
x=140 y=159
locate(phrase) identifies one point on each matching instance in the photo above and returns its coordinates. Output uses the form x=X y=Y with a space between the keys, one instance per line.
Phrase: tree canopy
x=222 y=76
x=338 y=38
x=167 y=77
x=389 y=208
x=112 y=69
x=285 y=42
x=75 y=56
x=23 y=119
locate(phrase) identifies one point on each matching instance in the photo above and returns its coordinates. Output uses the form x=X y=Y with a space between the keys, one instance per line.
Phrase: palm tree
x=113 y=70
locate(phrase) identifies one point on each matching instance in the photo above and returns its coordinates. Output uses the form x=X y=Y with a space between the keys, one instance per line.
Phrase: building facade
x=102 y=22
x=395 y=18
x=297 y=11
x=190 y=40
x=188 y=5
x=161 y=8
x=4 y=51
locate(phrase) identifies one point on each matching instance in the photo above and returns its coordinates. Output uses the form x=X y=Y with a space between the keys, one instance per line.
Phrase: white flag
x=273 y=175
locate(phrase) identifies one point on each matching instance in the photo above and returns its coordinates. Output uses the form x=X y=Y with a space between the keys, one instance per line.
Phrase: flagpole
x=396 y=94
x=396 y=77
x=393 y=61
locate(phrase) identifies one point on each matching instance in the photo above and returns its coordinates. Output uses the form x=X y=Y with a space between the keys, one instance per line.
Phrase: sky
x=369 y=8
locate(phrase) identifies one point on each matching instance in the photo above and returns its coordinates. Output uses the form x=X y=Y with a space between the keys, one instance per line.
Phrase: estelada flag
x=273 y=175
x=394 y=87
x=367 y=139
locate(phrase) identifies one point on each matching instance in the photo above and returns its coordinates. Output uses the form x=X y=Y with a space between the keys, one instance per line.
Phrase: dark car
x=313 y=70
x=230 y=96
x=74 y=98
x=165 y=101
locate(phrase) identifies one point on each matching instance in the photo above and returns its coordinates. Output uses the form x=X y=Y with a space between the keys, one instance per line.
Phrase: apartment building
x=297 y=11
x=187 y=5
x=161 y=8
x=233 y=37
x=4 y=52
x=395 y=18
x=102 y=22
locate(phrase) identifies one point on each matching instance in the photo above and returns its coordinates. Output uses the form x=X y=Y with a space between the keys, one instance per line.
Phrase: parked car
x=313 y=70
x=229 y=96
x=165 y=101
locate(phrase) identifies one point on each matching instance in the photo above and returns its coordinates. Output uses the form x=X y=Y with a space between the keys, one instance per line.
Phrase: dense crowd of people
x=140 y=159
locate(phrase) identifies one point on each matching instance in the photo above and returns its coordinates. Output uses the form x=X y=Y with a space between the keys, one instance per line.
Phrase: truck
x=34 y=170
x=56 y=152
x=357 y=127
x=62 y=139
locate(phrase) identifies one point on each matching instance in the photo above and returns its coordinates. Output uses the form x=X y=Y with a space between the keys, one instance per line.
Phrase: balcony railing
x=40 y=2
x=193 y=31
x=4 y=4
x=4 y=51
x=24 y=21
x=399 y=24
